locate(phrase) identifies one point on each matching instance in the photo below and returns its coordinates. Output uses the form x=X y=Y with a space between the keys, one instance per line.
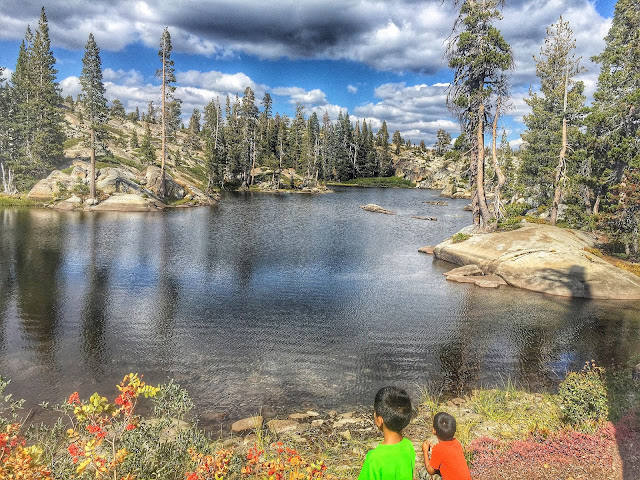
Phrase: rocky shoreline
x=537 y=257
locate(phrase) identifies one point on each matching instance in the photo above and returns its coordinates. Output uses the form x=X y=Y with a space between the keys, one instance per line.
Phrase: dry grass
x=616 y=262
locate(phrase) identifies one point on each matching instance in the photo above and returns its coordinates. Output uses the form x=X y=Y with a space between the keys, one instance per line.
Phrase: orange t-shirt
x=448 y=457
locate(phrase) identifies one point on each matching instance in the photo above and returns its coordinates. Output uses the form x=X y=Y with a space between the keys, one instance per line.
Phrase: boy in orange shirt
x=447 y=457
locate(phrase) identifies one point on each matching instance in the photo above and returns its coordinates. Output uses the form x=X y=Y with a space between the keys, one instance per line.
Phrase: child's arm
x=426 y=447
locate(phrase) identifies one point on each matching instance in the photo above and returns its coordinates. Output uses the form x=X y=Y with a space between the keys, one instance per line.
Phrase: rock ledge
x=544 y=259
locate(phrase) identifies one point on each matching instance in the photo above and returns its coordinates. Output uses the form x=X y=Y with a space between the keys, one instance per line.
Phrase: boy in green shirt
x=395 y=457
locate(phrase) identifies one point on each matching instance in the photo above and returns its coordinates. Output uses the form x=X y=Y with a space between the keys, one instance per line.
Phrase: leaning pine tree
x=94 y=101
x=479 y=56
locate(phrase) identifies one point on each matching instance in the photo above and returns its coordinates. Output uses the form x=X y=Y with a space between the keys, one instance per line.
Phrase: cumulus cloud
x=417 y=111
x=312 y=98
x=129 y=77
x=352 y=89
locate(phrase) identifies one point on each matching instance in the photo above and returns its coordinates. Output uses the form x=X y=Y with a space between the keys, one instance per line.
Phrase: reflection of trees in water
x=39 y=239
x=8 y=219
x=532 y=351
x=460 y=357
x=167 y=294
x=94 y=313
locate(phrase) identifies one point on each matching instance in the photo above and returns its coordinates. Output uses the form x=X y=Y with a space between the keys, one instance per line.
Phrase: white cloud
x=417 y=111
x=315 y=97
x=352 y=89
x=70 y=86
x=129 y=77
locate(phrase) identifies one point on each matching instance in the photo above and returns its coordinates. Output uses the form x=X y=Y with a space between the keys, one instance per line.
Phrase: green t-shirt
x=389 y=462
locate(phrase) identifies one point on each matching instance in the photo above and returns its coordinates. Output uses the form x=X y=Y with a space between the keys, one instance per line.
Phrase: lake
x=285 y=301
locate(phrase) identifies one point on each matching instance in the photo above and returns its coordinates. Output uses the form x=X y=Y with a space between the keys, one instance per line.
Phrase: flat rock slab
x=465 y=270
x=428 y=249
x=372 y=207
x=128 y=202
x=544 y=259
x=484 y=281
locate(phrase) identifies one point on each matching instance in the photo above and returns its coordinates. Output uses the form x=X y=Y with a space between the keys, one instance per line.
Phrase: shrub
x=460 y=237
x=510 y=223
x=81 y=189
x=584 y=397
x=17 y=460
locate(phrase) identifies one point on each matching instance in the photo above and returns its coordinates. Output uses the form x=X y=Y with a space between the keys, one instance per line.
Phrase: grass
x=460 y=237
x=16 y=201
x=395 y=182
x=515 y=413
x=115 y=131
x=617 y=262
x=72 y=142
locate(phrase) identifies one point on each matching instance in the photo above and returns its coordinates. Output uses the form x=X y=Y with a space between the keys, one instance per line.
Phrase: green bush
x=516 y=209
x=510 y=223
x=460 y=237
x=584 y=397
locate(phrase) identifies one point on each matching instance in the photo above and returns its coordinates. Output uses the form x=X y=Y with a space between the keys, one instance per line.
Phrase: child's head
x=444 y=426
x=393 y=405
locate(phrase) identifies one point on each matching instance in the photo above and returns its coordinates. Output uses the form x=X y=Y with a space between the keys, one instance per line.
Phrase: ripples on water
x=278 y=300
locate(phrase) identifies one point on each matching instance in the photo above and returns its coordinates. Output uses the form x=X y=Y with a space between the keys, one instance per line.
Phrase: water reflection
x=275 y=300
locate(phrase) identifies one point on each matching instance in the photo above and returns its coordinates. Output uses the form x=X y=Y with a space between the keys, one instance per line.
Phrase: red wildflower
x=131 y=426
x=74 y=398
x=93 y=428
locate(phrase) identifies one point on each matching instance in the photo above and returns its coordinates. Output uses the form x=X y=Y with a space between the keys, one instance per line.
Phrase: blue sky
x=377 y=59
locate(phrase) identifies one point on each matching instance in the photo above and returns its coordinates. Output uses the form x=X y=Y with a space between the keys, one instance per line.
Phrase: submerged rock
x=245 y=424
x=372 y=207
x=544 y=259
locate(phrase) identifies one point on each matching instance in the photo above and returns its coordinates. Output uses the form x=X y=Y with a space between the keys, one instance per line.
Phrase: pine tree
x=36 y=132
x=249 y=120
x=48 y=138
x=147 y=152
x=193 y=140
x=397 y=141
x=555 y=115
x=479 y=56
x=443 y=141
x=614 y=128
x=167 y=77
x=614 y=122
x=94 y=101
x=117 y=109
x=213 y=122
x=134 y=143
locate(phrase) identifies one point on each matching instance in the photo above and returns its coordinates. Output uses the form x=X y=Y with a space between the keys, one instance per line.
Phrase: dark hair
x=394 y=406
x=445 y=426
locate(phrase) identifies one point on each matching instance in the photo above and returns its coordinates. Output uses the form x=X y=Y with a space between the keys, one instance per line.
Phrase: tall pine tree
x=479 y=56
x=614 y=127
x=168 y=78
x=94 y=101
x=552 y=126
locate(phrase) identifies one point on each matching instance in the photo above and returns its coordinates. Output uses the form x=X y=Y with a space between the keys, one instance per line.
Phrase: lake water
x=286 y=301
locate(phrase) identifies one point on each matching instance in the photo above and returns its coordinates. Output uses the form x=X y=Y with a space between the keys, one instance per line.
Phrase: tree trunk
x=483 y=218
x=497 y=202
x=93 y=164
x=253 y=161
x=562 y=164
x=161 y=187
